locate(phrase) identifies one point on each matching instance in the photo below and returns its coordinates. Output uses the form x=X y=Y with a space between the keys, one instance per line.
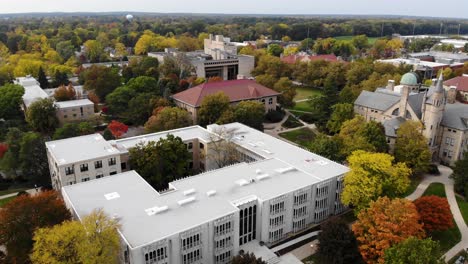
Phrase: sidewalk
x=30 y=191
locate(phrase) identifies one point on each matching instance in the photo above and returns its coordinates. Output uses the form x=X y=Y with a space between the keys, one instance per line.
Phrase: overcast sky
x=446 y=8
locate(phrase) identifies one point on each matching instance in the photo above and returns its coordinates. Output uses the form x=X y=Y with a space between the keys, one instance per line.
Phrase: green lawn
x=6 y=200
x=413 y=185
x=302 y=106
x=300 y=136
x=5 y=192
x=372 y=40
x=305 y=92
x=463 y=205
x=435 y=188
x=314 y=258
x=291 y=122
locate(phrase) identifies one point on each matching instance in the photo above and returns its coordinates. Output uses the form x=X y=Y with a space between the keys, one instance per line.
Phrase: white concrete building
x=32 y=90
x=74 y=110
x=278 y=191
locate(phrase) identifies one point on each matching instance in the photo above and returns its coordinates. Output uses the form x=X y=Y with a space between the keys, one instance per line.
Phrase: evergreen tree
x=42 y=78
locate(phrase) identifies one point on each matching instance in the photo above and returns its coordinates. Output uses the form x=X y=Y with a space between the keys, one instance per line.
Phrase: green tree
x=33 y=156
x=329 y=147
x=460 y=176
x=275 y=50
x=414 y=251
x=94 y=240
x=65 y=49
x=168 y=118
x=250 y=113
x=287 y=90
x=11 y=162
x=161 y=162
x=102 y=80
x=340 y=114
x=212 y=107
x=42 y=79
x=107 y=135
x=373 y=175
x=11 y=96
x=94 y=50
x=25 y=214
x=41 y=115
x=411 y=147
x=361 y=42
x=337 y=243
x=247 y=258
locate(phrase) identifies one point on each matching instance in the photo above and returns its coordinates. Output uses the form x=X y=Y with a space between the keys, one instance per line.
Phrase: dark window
x=81 y=111
x=112 y=161
x=113 y=173
x=123 y=165
x=84 y=167
x=190 y=145
x=98 y=164
x=69 y=170
x=202 y=146
x=99 y=176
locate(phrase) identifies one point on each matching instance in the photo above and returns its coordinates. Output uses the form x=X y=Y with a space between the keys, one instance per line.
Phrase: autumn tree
x=435 y=213
x=160 y=162
x=373 y=175
x=340 y=114
x=411 y=147
x=11 y=96
x=93 y=240
x=94 y=50
x=117 y=129
x=212 y=107
x=3 y=149
x=385 y=223
x=168 y=118
x=328 y=147
x=247 y=258
x=337 y=243
x=287 y=92
x=101 y=80
x=250 y=113
x=223 y=150
x=65 y=93
x=41 y=115
x=460 y=176
x=25 y=214
x=415 y=251
x=275 y=50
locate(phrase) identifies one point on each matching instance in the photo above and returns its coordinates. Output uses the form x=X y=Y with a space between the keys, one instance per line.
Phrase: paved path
x=30 y=191
x=445 y=172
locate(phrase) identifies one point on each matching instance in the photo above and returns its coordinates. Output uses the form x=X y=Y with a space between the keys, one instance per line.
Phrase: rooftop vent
x=258 y=171
x=267 y=151
x=252 y=144
x=189 y=191
x=156 y=210
x=112 y=195
x=284 y=170
x=242 y=182
x=211 y=193
x=322 y=162
x=186 y=201
x=263 y=176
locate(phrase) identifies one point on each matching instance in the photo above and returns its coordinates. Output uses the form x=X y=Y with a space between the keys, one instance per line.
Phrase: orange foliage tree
x=25 y=214
x=3 y=149
x=117 y=129
x=385 y=223
x=434 y=212
x=65 y=93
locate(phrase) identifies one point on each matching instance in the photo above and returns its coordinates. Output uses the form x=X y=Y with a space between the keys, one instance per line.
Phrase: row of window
x=322 y=203
x=191 y=241
x=223 y=228
x=299 y=225
x=277 y=221
x=322 y=191
x=223 y=258
x=449 y=141
x=192 y=257
x=300 y=199
x=84 y=167
x=448 y=153
x=190 y=145
x=300 y=212
x=320 y=216
x=270 y=101
x=275 y=235
x=155 y=255
x=277 y=208
x=247 y=224
x=225 y=242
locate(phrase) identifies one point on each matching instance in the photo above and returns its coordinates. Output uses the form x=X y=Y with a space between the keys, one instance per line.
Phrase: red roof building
x=461 y=83
x=236 y=90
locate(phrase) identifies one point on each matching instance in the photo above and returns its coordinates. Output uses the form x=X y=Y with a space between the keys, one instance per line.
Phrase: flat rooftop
x=73 y=103
x=195 y=200
x=414 y=62
x=33 y=93
x=79 y=149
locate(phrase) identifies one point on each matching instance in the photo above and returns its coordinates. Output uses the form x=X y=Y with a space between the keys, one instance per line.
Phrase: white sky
x=446 y=8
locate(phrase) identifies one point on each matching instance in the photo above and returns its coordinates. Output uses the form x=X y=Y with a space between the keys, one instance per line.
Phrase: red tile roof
x=461 y=82
x=291 y=59
x=237 y=90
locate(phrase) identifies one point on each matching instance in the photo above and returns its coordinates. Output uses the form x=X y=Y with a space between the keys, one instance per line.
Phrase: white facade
x=278 y=191
x=74 y=110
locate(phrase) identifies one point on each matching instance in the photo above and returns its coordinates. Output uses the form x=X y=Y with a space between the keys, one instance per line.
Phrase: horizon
x=417 y=8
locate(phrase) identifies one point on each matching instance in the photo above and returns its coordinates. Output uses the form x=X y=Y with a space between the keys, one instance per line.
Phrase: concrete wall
x=74 y=114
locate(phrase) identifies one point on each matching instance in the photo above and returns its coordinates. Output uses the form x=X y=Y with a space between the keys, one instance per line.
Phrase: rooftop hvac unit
x=189 y=191
x=210 y=193
x=112 y=195
x=156 y=210
x=186 y=201
x=263 y=176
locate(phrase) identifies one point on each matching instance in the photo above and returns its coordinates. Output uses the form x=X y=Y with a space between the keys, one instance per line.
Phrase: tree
x=247 y=258
x=415 y=251
x=288 y=92
x=22 y=216
x=94 y=240
x=160 y=162
x=212 y=107
x=168 y=118
x=10 y=162
x=117 y=129
x=275 y=50
x=340 y=114
x=101 y=80
x=33 y=156
x=11 y=97
x=460 y=176
x=107 y=135
x=250 y=113
x=42 y=78
x=337 y=243
x=373 y=175
x=3 y=149
x=435 y=213
x=328 y=147
x=385 y=223
x=65 y=49
x=65 y=93
x=94 y=50
x=411 y=147
x=41 y=115
x=60 y=78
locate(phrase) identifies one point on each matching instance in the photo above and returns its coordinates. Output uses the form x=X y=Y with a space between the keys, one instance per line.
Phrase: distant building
x=427 y=69
x=445 y=121
x=74 y=110
x=440 y=57
x=218 y=59
x=461 y=85
x=32 y=90
x=236 y=90
x=304 y=57
x=277 y=191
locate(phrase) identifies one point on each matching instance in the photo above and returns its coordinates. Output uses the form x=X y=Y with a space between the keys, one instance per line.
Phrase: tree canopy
x=11 y=97
x=460 y=176
x=435 y=213
x=41 y=115
x=415 y=251
x=168 y=118
x=212 y=107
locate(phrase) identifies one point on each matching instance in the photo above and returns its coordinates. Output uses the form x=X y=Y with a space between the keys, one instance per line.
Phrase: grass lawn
x=291 y=122
x=313 y=258
x=372 y=40
x=435 y=188
x=463 y=205
x=302 y=106
x=5 y=192
x=305 y=92
x=300 y=136
x=413 y=185
x=6 y=200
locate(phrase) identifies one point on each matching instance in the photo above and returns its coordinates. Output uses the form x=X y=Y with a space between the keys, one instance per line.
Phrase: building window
x=247 y=224
x=202 y=146
x=113 y=173
x=98 y=164
x=81 y=111
x=123 y=165
x=263 y=100
x=85 y=179
x=190 y=145
x=99 y=176
x=84 y=167
x=112 y=161
x=74 y=115
x=69 y=170
x=270 y=101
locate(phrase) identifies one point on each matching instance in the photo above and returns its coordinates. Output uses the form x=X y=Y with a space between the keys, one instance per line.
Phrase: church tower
x=434 y=107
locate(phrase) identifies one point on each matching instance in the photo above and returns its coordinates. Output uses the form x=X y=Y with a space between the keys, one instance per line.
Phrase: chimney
x=404 y=100
x=452 y=95
x=391 y=85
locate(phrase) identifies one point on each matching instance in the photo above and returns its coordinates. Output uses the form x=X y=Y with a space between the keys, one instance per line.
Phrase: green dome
x=409 y=79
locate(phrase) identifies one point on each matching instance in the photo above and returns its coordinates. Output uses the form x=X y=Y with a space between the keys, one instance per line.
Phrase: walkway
x=30 y=191
x=445 y=172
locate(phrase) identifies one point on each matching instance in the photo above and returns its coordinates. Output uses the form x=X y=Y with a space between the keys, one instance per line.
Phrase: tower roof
x=440 y=84
x=410 y=79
